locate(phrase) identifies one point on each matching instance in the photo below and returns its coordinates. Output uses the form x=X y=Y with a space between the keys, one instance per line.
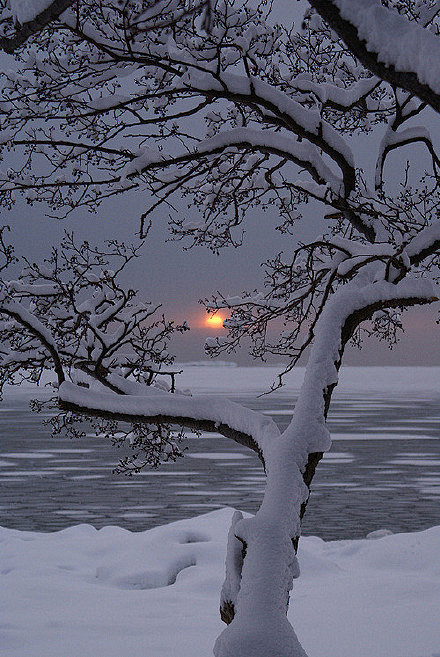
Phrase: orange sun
x=214 y=321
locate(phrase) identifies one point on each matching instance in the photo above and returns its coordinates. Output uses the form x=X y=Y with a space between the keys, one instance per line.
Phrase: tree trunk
x=261 y=561
x=261 y=565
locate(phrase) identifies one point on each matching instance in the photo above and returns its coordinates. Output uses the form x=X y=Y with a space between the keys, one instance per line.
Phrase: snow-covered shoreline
x=253 y=381
x=111 y=592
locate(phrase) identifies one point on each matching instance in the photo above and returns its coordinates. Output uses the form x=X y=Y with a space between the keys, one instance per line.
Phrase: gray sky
x=178 y=279
x=165 y=273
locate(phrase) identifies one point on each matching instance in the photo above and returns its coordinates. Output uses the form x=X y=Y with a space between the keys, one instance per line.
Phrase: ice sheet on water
x=28 y=473
x=27 y=455
x=85 y=477
x=218 y=456
x=372 y=434
x=338 y=456
x=415 y=461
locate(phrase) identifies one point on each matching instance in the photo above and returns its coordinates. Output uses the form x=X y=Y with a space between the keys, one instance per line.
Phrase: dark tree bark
x=23 y=32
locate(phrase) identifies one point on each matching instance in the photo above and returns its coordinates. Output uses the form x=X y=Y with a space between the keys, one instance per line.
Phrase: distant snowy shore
x=107 y=593
x=221 y=377
x=213 y=377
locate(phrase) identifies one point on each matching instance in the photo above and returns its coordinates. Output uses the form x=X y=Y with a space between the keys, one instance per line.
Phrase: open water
x=383 y=470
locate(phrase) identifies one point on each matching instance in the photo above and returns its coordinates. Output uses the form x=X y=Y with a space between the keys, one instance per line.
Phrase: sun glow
x=214 y=321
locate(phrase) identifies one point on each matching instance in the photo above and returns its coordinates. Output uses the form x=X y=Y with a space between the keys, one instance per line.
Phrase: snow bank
x=112 y=592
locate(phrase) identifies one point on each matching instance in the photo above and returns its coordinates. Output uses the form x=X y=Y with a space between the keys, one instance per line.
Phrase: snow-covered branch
x=251 y=588
x=154 y=72
x=27 y=321
x=392 y=47
x=151 y=405
x=29 y=18
x=213 y=102
x=75 y=318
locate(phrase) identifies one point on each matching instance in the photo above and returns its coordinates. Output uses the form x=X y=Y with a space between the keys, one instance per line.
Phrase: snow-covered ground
x=82 y=592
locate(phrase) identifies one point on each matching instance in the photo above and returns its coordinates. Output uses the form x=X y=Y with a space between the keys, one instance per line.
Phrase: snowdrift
x=83 y=592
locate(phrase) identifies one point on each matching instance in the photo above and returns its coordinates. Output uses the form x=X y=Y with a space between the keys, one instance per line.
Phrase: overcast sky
x=178 y=279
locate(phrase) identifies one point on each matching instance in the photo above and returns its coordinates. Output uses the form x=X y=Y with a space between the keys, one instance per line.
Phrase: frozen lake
x=383 y=470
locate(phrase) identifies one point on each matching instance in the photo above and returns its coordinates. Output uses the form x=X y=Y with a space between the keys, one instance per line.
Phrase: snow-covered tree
x=216 y=103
